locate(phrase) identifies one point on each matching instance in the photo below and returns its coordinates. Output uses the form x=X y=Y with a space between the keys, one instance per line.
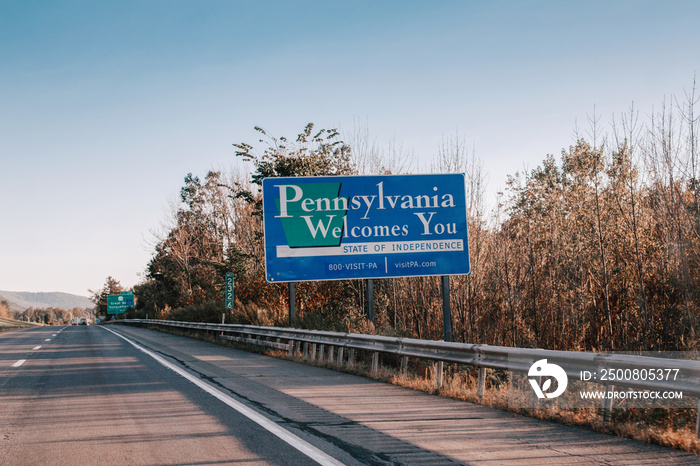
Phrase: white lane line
x=37 y=347
x=19 y=363
x=53 y=335
x=48 y=339
x=303 y=446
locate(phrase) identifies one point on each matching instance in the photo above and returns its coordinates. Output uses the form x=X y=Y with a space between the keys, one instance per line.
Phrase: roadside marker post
x=229 y=291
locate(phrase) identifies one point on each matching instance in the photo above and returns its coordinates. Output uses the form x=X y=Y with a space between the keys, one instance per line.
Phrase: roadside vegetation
x=11 y=324
x=10 y=320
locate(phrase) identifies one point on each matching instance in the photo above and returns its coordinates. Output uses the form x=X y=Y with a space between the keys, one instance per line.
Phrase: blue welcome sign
x=345 y=227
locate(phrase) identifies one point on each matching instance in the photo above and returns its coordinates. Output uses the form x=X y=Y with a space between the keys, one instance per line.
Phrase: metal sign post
x=370 y=300
x=292 y=304
x=446 y=310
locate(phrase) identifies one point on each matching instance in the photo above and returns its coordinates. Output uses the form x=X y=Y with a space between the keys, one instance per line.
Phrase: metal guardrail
x=331 y=347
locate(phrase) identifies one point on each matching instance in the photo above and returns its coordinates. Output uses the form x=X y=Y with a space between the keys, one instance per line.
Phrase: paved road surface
x=87 y=396
x=83 y=396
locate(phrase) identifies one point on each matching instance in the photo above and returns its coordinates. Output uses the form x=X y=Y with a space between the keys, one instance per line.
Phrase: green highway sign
x=119 y=303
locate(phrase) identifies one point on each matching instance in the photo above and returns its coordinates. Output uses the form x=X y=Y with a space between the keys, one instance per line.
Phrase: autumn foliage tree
x=312 y=153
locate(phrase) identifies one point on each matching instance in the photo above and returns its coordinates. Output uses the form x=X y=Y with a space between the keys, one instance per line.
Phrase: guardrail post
x=351 y=357
x=330 y=354
x=438 y=374
x=313 y=351
x=297 y=348
x=321 y=350
x=404 y=365
x=375 y=361
x=339 y=362
x=607 y=403
x=481 y=383
x=306 y=350
x=290 y=349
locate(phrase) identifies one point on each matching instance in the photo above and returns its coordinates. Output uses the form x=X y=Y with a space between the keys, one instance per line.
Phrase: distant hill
x=21 y=300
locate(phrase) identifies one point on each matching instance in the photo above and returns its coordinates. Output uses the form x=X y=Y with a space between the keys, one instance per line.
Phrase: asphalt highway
x=81 y=395
x=116 y=395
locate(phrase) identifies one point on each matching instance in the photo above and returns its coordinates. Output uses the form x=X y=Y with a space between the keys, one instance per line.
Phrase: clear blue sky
x=106 y=106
